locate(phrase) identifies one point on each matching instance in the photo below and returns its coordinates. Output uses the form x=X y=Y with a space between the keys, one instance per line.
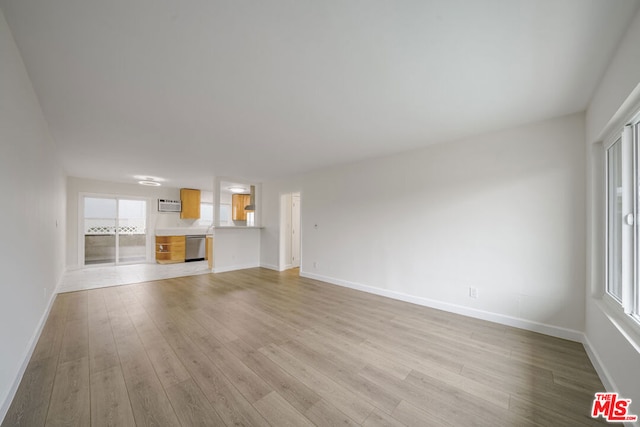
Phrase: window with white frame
x=623 y=219
x=614 y=223
x=636 y=287
x=206 y=214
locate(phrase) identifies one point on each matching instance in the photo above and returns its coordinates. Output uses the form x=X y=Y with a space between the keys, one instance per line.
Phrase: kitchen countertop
x=198 y=231
x=183 y=231
x=236 y=227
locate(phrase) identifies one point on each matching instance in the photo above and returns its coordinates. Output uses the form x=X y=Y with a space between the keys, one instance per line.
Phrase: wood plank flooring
x=257 y=347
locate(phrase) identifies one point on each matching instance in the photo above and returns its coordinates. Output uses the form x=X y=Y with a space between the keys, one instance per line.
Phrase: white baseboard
x=59 y=283
x=276 y=268
x=555 y=331
x=11 y=393
x=235 y=267
x=600 y=368
x=271 y=267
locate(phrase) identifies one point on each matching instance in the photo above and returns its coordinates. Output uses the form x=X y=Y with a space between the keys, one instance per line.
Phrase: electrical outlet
x=473 y=292
x=315 y=264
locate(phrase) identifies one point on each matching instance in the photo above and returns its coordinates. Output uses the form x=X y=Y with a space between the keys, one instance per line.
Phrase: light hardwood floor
x=257 y=347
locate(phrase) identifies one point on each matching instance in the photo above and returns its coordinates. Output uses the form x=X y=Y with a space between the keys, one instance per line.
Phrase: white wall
x=235 y=249
x=620 y=78
x=616 y=358
x=32 y=186
x=503 y=213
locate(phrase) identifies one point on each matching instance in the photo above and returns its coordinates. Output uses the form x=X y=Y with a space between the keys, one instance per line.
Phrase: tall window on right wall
x=614 y=216
x=623 y=219
x=636 y=293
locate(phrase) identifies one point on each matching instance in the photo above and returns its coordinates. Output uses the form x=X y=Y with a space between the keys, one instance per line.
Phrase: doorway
x=290 y=234
x=114 y=230
x=295 y=230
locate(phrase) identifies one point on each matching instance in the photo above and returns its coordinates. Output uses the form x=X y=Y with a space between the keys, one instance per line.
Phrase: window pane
x=636 y=283
x=99 y=208
x=614 y=216
x=132 y=209
x=99 y=230
x=132 y=229
x=206 y=214
x=225 y=214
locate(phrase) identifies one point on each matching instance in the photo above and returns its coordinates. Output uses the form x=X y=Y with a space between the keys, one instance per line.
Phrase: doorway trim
x=285 y=261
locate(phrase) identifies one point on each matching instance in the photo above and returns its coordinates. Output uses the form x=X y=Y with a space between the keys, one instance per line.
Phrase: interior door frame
x=296 y=226
x=116 y=197
x=286 y=235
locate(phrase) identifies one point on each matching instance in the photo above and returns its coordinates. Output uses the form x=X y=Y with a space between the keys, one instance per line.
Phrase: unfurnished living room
x=288 y=213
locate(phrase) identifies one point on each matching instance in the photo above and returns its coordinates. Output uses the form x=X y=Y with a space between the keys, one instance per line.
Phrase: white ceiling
x=256 y=89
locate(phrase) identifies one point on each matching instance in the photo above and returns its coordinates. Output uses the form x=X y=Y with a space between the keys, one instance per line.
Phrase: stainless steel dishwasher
x=195 y=248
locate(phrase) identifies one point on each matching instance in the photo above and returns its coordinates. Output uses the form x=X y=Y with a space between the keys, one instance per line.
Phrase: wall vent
x=165 y=205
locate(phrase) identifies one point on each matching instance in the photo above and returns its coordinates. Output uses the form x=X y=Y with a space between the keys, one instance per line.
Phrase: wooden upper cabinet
x=190 y=203
x=238 y=202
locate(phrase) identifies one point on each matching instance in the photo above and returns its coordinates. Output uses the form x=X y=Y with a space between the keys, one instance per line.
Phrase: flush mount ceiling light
x=237 y=189
x=150 y=183
x=149 y=178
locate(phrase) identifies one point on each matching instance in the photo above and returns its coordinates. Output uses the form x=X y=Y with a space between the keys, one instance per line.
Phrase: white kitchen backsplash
x=170 y=220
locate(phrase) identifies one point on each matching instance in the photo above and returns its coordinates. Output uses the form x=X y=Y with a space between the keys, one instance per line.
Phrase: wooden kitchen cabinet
x=190 y=203
x=170 y=249
x=209 y=251
x=238 y=202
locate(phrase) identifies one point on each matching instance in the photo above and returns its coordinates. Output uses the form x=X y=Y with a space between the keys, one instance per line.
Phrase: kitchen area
x=180 y=230
x=184 y=244
x=230 y=242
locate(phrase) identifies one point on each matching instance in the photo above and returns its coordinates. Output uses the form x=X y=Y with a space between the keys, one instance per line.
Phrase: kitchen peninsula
x=235 y=247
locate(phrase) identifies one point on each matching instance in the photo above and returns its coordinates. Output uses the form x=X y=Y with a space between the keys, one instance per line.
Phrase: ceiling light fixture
x=149 y=183
x=148 y=178
x=237 y=189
